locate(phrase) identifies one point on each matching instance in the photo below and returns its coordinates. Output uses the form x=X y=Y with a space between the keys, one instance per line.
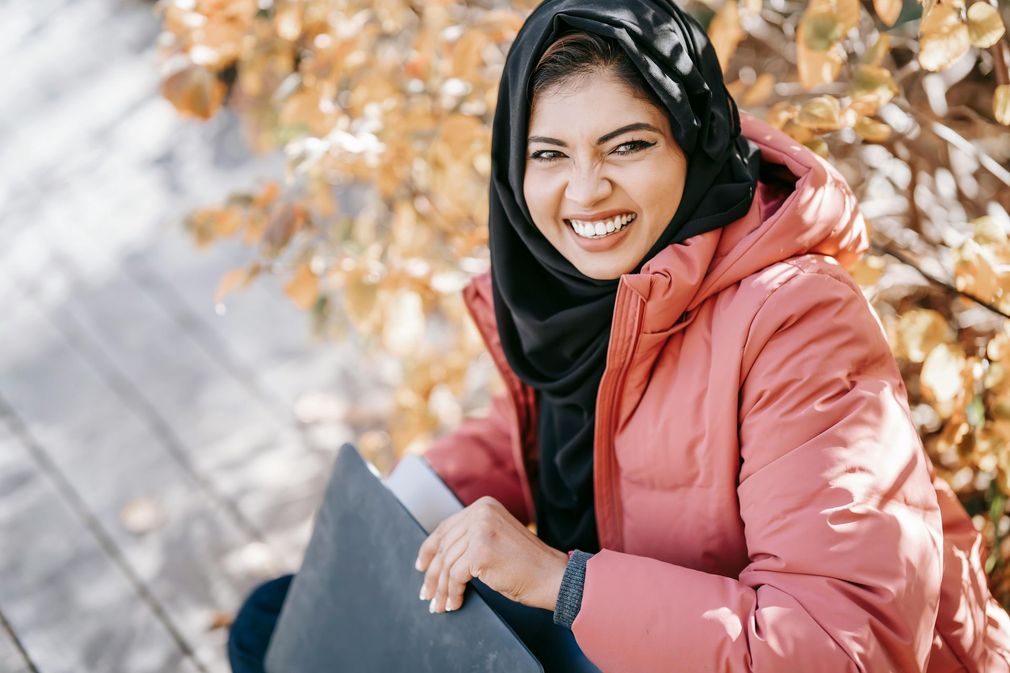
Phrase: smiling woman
x=703 y=418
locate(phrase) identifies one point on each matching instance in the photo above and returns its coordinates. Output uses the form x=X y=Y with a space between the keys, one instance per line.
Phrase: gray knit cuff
x=570 y=595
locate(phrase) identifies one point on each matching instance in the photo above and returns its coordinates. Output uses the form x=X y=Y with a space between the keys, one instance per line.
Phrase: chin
x=600 y=269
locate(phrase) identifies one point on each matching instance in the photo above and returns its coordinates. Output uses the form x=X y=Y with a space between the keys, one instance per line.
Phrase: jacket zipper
x=628 y=313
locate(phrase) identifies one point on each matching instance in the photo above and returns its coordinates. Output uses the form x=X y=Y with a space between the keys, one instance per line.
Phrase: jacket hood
x=802 y=205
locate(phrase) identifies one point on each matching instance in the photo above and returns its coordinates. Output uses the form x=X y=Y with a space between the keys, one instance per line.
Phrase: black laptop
x=353 y=606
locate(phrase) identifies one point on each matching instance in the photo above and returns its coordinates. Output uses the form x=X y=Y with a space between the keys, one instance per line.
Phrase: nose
x=588 y=185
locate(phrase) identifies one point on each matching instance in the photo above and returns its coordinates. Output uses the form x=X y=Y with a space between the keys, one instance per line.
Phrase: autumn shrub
x=383 y=111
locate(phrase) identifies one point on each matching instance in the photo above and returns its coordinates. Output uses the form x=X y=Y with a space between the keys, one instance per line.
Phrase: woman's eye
x=546 y=155
x=632 y=146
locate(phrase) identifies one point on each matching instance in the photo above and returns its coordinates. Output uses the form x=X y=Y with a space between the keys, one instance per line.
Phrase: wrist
x=550 y=580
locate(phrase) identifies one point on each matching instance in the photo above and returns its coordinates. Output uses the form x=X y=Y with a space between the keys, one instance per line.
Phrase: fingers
x=443 y=556
x=438 y=561
x=452 y=578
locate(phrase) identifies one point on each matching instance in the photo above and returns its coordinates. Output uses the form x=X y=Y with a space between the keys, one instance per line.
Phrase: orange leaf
x=228 y=221
x=887 y=10
x=267 y=195
x=194 y=91
x=235 y=279
x=759 y=92
x=303 y=289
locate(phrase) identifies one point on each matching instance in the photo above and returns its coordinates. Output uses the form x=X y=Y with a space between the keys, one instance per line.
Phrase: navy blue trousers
x=553 y=645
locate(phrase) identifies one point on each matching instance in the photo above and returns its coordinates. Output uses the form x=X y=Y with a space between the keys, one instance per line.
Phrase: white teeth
x=601 y=228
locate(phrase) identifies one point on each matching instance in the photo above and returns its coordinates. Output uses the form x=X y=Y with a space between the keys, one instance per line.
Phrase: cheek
x=662 y=189
x=539 y=199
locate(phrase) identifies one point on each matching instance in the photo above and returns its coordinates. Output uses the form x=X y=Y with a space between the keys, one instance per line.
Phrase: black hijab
x=554 y=322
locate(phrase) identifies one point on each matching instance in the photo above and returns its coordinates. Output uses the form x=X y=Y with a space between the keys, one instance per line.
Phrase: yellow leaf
x=977 y=271
x=819 y=146
x=1001 y=104
x=880 y=48
x=725 y=32
x=871 y=88
x=816 y=67
x=887 y=10
x=821 y=114
x=985 y=27
x=943 y=37
x=194 y=91
x=800 y=134
x=303 y=289
x=919 y=332
x=872 y=131
x=822 y=30
x=942 y=376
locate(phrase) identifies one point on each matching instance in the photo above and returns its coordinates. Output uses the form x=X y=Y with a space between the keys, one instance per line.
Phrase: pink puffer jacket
x=763 y=500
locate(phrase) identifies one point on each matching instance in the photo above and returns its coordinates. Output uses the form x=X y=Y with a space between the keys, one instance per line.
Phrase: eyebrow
x=637 y=126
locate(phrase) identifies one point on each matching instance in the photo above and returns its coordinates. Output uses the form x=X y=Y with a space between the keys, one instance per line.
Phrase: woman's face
x=604 y=175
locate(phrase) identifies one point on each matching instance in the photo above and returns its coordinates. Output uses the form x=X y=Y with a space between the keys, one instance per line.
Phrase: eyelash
x=636 y=146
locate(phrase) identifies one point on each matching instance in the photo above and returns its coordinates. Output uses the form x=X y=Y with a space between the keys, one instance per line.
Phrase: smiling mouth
x=601 y=228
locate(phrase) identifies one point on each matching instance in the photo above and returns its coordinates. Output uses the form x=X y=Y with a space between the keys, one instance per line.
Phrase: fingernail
x=448 y=605
x=421 y=595
x=417 y=563
x=431 y=606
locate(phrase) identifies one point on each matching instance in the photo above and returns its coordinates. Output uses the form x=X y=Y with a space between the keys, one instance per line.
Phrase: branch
x=941 y=130
x=884 y=249
x=999 y=59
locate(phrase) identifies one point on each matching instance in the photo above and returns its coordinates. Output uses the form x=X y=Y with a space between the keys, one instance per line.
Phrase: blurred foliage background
x=383 y=111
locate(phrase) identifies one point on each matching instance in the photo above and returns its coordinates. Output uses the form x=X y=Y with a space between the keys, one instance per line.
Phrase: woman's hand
x=486 y=542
